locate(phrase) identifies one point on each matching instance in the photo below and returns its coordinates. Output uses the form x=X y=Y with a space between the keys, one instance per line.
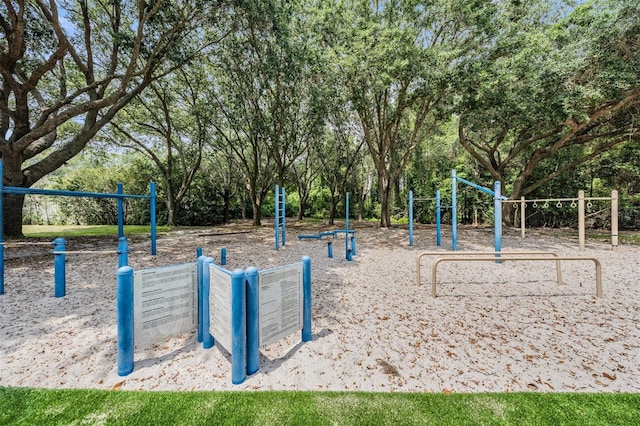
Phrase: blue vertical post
x=123 y=252
x=410 y=218
x=238 y=327
x=346 y=229
x=497 y=215
x=454 y=211
x=253 y=321
x=438 y=242
x=223 y=256
x=59 y=266
x=1 y=230
x=152 y=189
x=125 y=320
x=198 y=252
x=283 y=212
x=277 y=217
x=207 y=338
x=120 y=212
x=353 y=244
x=330 y=249
x=306 y=299
x=201 y=259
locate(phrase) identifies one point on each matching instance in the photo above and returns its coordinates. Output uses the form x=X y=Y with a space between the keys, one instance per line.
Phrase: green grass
x=65 y=231
x=24 y=406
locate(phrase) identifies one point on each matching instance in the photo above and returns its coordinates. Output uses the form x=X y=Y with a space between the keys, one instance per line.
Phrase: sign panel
x=220 y=305
x=165 y=303
x=280 y=298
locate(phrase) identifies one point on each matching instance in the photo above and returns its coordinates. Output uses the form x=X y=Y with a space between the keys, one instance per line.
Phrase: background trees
x=324 y=97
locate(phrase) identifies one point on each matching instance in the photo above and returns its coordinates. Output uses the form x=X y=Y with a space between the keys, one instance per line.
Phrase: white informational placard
x=165 y=303
x=220 y=306
x=280 y=299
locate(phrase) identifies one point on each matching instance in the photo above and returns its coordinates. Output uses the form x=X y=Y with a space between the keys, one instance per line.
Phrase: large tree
x=552 y=88
x=68 y=68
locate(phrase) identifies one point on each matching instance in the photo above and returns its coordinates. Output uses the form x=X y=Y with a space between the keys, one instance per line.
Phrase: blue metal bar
x=62 y=193
x=306 y=299
x=125 y=320
x=329 y=249
x=152 y=190
x=123 y=252
x=277 y=217
x=346 y=229
x=438 y=242
x=200 y=267
x=207 y=338
x=454 y=211
x=59 y=263
x=283 y=211
x=120 y=212
x=253 y=321
x=410 y=218
x=223 y=256
x=238 y=327
x=497 y=215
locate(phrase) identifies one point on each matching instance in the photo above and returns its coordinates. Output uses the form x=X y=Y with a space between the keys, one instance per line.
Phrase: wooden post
x=581 y=220
x=523 y=206
x=614 y=220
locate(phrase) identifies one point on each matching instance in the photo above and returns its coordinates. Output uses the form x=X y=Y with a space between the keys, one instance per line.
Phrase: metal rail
x=595 y=261
x=498 y=256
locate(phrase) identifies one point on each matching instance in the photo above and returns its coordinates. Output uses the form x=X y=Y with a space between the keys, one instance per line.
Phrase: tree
x=552 y=89
x=67 y=72
x=170 y=124
x=395 y=58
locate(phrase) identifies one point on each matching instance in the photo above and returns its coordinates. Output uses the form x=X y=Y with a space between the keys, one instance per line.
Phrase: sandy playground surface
x=493 y=327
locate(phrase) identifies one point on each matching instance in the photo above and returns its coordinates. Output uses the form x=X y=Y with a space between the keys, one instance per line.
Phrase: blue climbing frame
x=36 y=191
x=497 y=210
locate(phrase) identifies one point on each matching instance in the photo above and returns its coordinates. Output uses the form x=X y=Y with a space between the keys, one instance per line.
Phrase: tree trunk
x=256 y=213
x=384 y=190
x=13 y=205
x=226 y=200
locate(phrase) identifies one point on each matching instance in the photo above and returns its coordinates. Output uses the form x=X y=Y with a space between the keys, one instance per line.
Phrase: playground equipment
x=223 y=305
x=349 y=236
x=119 y=196
x=60 y=260
x=578 y=203
x=509 y=257
x=280 y=216
x=438 y=208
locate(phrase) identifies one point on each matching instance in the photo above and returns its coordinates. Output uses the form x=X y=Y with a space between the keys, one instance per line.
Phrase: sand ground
x=493 y=327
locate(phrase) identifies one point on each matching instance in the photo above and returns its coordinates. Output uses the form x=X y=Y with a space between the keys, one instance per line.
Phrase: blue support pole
x=1 y=230
x=497 y=214
x=238 y=327
x=353 y=245
x=283 y=211
x=59 y=262
x=253 y=321
x=223 y=256
x=200 y=266
x=125 y=320
x=454 y=211
x=306 y=300
x=410 y=218
x=438 y=207
x=346 y=229
x=120 y=212
x=198 y=252
x=277 y=217
x=330 y=249
x=152 y=189
x=207 y=338
x=123 y=252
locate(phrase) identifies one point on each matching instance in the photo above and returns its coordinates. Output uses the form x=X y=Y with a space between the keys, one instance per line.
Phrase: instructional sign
x=220 y=306
x=165 y=303
x=280 y=298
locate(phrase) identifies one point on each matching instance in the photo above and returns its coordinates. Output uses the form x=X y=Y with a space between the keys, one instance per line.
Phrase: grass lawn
x=65 y=231
x=63 y=407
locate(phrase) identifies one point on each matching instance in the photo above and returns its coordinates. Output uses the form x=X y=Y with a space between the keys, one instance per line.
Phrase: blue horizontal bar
x=481 y=188
x=38 y=191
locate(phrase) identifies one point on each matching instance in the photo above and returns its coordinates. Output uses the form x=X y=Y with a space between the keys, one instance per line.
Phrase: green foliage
x=40 y=406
